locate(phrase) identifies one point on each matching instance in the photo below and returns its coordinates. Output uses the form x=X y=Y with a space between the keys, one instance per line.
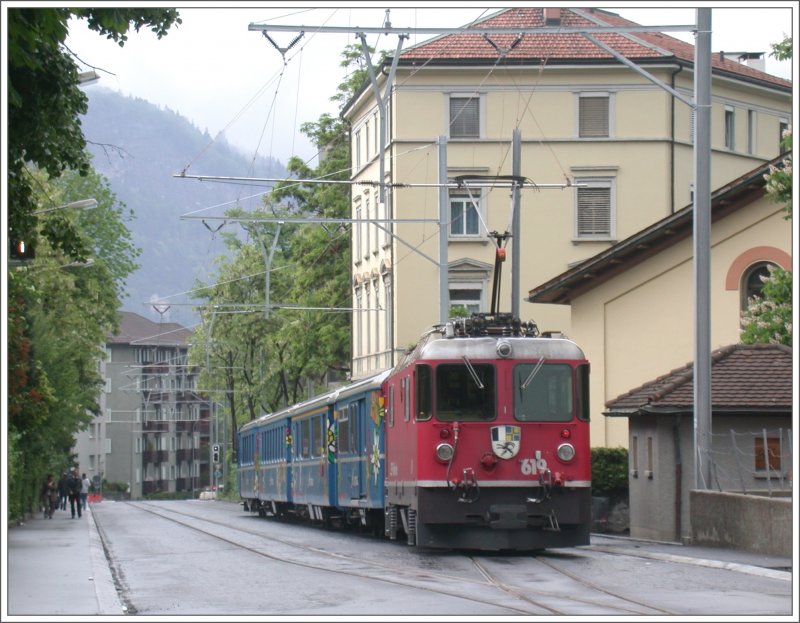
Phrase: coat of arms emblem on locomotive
x=505 y=441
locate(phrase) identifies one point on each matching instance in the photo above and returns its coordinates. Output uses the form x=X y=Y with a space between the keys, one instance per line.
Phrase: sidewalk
x=58 y=567
x=765 y=565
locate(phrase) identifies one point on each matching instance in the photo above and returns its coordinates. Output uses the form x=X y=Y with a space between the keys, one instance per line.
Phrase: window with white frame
x=465 y=209
x=357 y=146
x=379 y=215
x=368 y=227
x=751 y=131
x=467 y=294
x=594 y=115
x=376 y=325
x=594 y=208
x=783 y=127
x=465 y=116
x=367 y=142
x=357 y=233
x=377 y=132
x=730 y=126
x=357 y=349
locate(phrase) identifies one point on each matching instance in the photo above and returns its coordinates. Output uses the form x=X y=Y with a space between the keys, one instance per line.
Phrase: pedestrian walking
x=85 y=486
x=63 y=491
x=49 y=496
x=75 y=486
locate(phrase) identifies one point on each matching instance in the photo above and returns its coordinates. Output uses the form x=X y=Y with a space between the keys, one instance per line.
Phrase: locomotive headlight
x=566 y=452
x=444 y=452
x=504 y=349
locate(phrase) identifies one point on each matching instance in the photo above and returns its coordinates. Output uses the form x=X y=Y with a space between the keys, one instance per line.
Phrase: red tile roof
x=744 y=378
x=558 y=48
x=136 y=329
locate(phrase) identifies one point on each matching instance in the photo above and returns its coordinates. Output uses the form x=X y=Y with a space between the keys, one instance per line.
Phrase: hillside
x=139 y=147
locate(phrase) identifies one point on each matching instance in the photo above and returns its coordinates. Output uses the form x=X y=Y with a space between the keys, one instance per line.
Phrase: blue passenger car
x=320 y=460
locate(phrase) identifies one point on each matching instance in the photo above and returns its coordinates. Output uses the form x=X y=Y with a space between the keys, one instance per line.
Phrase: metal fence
x=758 y=461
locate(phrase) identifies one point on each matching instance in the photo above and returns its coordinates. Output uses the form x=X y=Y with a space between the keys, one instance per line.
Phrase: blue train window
x=346 y=428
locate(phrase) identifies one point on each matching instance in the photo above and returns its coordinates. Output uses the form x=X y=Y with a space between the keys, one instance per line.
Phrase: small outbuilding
x=751 y=436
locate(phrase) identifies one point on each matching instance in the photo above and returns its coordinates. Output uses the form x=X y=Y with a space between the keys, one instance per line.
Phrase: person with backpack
x=75 y=485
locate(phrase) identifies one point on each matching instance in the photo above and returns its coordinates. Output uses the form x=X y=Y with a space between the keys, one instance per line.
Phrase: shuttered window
x=464 y=117
x=594 y=209
x=593 y=116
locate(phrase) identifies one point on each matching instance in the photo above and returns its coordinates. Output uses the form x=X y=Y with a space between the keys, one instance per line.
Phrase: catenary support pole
x=702 y=250
x=516 y=170
x=444 y=227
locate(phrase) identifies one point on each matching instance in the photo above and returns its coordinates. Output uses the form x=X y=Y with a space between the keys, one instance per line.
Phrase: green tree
x=779 y=179
x=59 y=314
x=768 y=318
x=265 y=363
x=45 y=103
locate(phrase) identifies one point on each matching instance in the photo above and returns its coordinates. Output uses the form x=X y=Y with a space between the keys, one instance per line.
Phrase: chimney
x=754 y=60
x=552 y=16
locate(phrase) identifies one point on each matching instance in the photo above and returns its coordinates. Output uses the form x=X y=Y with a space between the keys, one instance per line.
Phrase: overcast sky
x=225 y=78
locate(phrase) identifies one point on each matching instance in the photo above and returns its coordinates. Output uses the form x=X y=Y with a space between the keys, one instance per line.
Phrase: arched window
x=752 y=282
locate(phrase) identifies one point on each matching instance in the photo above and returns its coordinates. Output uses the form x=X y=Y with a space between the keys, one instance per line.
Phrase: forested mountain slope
x=140 y=147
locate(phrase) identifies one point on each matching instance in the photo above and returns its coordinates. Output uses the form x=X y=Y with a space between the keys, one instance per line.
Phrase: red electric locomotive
x=487 y=439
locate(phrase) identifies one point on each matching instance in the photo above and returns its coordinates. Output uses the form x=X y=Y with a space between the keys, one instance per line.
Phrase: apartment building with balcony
x=153 y=428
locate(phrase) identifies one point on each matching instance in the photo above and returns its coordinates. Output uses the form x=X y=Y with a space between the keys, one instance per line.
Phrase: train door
x=361 y=445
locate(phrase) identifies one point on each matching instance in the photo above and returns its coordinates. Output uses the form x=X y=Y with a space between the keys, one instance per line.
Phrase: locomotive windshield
x=465 y=392
x=543 y=392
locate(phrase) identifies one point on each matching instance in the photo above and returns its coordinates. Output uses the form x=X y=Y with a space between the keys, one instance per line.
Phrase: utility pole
x=702 y=251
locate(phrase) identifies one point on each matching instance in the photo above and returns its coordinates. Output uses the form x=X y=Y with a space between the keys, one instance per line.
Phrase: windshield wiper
x=536 y=369
x=472 y=372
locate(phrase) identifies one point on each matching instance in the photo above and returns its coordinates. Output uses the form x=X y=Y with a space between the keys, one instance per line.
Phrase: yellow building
x=633 y=304
x=604 y=150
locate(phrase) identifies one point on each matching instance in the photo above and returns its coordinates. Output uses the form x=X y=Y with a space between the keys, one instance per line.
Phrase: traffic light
x=21 y=250
x=215 y=453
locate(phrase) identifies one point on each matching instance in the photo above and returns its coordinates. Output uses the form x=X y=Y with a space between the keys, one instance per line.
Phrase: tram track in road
x=530 y=600
x=571 y=602
x=339 y=564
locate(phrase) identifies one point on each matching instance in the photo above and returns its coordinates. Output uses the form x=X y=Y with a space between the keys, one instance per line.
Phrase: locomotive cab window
x=424 y=391
x=543 y=392
x=465 y=392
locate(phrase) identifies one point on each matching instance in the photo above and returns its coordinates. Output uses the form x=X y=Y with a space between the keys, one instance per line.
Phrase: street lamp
x=83 y=204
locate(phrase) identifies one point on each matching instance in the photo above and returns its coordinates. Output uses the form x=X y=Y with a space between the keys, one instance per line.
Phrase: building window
x=469 y=295
x=357 y=231
x=649 y=471
x=357 y=349
x=357 y=156
x=367 y=226
x=751 y=131
x=753 y=282
x=768 y=454
x=593 y=115
x=783 y=127
x=464 y=117
x=634 y=456
x=377 y=132
x=729 y=128
x=594 y=208
x=464 y=215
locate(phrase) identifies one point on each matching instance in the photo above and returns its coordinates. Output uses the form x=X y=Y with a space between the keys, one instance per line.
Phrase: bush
x=609 y=471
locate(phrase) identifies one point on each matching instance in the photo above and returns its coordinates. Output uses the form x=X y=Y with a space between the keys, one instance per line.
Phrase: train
x=478 y=439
